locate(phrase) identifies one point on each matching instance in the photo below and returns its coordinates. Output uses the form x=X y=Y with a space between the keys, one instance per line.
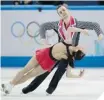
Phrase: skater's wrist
x=100 y=37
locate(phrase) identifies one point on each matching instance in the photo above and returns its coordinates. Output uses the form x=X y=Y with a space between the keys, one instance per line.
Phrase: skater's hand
x=81 y=73
x=100 y=37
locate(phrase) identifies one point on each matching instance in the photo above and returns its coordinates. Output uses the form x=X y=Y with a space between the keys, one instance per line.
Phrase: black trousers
x=54 y=82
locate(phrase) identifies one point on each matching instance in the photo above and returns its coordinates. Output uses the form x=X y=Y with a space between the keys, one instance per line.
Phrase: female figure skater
x=45 y=58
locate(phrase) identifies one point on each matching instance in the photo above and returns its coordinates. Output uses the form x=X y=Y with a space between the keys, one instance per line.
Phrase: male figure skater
x=61 y=66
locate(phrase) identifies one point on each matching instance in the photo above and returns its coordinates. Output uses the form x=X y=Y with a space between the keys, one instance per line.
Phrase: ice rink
x=89 y=87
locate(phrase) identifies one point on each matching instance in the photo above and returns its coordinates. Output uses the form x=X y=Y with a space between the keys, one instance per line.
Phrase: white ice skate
x=2 y=87
x=6 y=88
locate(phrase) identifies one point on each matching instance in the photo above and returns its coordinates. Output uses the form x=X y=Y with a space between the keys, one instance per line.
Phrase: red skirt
x=44 y=59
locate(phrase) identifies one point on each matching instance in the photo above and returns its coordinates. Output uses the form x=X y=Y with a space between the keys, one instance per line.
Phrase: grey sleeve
x=90 y=26
x=47 y=26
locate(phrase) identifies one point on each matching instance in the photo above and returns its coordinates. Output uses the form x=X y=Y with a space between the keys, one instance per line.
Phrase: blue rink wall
x=48 y=7
x=20 y=61
x=92 y=62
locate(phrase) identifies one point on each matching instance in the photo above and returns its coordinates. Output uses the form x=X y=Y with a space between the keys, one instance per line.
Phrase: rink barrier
x=20 y=61
x=48 y=7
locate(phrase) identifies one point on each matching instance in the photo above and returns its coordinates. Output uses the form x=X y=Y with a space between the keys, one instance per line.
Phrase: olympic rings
x=18 y=29
x=37 y=30
x=20 y=24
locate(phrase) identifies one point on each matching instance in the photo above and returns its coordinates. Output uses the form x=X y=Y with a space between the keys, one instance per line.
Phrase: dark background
x=31 y=2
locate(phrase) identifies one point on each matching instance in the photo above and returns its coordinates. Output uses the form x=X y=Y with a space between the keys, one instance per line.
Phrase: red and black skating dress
x=45 y=58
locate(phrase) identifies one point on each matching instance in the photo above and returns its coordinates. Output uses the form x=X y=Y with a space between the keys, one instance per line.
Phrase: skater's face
x=63 y=12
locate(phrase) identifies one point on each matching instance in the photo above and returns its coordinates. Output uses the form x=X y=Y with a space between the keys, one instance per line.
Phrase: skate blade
x=47 y=94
